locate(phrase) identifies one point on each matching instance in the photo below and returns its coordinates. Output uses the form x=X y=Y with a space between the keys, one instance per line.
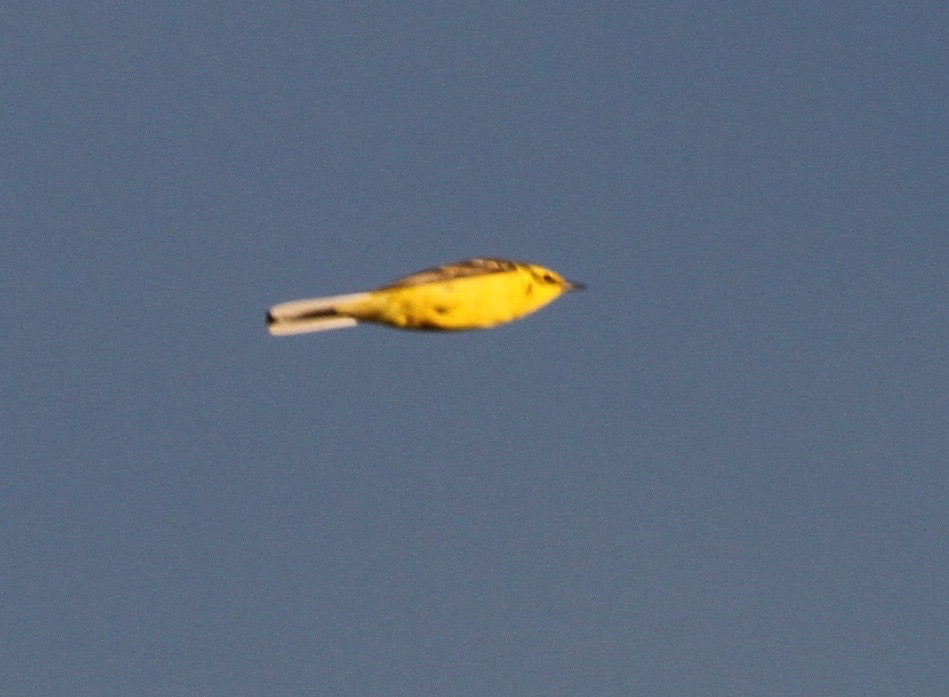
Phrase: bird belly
x=461 y=304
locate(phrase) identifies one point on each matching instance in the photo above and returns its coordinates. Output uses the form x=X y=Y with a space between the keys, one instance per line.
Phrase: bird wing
x=461 y=269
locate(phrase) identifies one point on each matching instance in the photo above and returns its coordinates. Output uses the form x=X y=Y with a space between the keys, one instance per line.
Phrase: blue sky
x=721 y=470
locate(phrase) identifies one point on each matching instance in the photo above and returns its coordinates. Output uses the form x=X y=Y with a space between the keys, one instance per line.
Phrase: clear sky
x=722 y=470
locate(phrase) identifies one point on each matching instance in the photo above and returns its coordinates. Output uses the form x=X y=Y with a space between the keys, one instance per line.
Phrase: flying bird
x=472 y=294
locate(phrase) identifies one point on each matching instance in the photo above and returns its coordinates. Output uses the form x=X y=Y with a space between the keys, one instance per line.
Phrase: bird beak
x=574 y=285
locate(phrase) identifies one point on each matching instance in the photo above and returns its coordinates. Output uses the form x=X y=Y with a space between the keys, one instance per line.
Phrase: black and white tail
x=314 y=315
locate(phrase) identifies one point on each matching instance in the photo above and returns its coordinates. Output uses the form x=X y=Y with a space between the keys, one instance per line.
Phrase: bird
x=472 y=294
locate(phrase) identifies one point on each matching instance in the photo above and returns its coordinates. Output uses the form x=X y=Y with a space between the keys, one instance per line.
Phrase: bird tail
x=314 y=315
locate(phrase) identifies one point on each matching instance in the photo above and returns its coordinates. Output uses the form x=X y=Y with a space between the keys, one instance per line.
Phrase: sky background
x=722 y=470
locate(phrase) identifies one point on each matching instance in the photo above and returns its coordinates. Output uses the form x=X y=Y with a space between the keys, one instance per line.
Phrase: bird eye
x=549 y=279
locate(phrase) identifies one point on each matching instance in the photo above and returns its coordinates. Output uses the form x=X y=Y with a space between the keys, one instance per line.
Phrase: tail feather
x=313 y=315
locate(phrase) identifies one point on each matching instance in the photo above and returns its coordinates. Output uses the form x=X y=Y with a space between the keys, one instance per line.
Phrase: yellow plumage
x=473 y=294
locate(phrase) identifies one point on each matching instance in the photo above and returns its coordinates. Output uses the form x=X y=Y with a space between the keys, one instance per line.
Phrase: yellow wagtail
x=472 y=294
